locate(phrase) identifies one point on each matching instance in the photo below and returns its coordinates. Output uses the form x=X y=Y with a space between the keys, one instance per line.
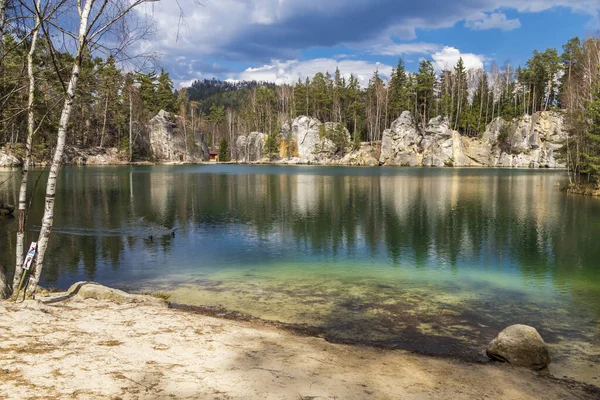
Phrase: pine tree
x=399 y=91
x=353 y=98
x=111 y=81
x=479 y=102
x=461 y=94
x=147 y=92
x=339 y=101
x=321 y=96
x=591 y=153
x=164 y=92
x=425 y=84
x=223 y=150
x=300 y=98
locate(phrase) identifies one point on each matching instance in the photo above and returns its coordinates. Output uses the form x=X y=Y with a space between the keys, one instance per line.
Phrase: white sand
x=91 y=349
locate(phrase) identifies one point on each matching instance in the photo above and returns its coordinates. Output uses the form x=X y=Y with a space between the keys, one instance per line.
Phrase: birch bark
x=48 y=218
x=29 y=142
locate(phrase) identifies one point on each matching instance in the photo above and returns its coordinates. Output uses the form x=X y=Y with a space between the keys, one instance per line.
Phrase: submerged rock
x=91 y=290
x=520 y=345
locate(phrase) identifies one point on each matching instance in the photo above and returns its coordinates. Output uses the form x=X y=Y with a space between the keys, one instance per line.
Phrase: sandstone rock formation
x=319 y=143
x=305 y=140
x=527 y=142
x=362 y=157
x=251 y=148
x=163 y=141
x=7 y=160
x=520 y=345
x=93 y=156
x=400 y=144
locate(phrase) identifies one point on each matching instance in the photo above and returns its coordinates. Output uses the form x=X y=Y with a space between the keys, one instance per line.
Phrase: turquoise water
x=431 y=260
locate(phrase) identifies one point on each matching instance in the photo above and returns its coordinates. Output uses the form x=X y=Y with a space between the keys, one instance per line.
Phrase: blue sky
x=283 y=40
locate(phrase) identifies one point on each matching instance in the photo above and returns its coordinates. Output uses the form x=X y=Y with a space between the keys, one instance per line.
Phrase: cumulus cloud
x=494 y=21
x=448 y=57
x=257 y=31
x=290 y=71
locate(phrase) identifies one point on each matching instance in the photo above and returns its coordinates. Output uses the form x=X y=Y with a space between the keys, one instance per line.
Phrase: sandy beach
x=71 y=347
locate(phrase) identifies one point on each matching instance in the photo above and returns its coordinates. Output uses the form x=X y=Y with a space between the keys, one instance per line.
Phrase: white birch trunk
x=48 y=218
x=130 y=125
x=2 y=22
x=104 y=123
x=3 y=4
x=27 y=162
x=4 y=285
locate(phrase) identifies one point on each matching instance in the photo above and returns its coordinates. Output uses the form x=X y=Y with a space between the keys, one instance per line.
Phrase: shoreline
x=133 y=346
x=583 y=189
x=287 y=164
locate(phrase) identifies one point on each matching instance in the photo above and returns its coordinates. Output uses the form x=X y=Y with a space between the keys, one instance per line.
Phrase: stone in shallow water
x=520 y=345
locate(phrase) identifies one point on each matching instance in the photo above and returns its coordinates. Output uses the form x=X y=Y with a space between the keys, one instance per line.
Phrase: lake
x=430 y=260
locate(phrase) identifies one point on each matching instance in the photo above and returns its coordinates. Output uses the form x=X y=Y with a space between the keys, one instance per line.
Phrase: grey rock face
x=165 y=142
x=527 y=142
x=251 y=148
x=7 y=160
x=93 y=156
x=400 y=145
x=319 y=143
x=520 y=345
x=362 y=157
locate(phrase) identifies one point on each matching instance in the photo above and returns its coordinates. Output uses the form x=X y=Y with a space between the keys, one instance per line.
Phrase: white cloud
x=290 y=71
x=494 y=21
x=449 y=56
x=257 y=31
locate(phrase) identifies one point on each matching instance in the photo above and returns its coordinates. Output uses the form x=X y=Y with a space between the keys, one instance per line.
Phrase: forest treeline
x=110 y=100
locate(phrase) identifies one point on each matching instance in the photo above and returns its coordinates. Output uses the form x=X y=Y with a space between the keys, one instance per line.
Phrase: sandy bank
x=93 y=349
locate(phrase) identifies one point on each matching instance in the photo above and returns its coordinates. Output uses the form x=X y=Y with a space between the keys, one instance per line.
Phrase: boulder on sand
x=91 y=290
x=520 y=345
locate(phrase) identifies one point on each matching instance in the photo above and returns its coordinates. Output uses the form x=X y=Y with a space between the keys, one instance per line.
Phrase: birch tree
x=96 y=18
x=4 y=287
x=3 y=4
x=28 y=145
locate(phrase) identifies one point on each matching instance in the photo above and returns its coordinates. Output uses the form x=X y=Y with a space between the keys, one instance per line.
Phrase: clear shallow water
x=432 y=260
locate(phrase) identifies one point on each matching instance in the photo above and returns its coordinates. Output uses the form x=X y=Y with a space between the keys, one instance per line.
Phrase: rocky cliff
x=527 y=142
x=164 y=141
x=7 y=160
x=93 y=156
x=251 y=148
x=306 y=140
